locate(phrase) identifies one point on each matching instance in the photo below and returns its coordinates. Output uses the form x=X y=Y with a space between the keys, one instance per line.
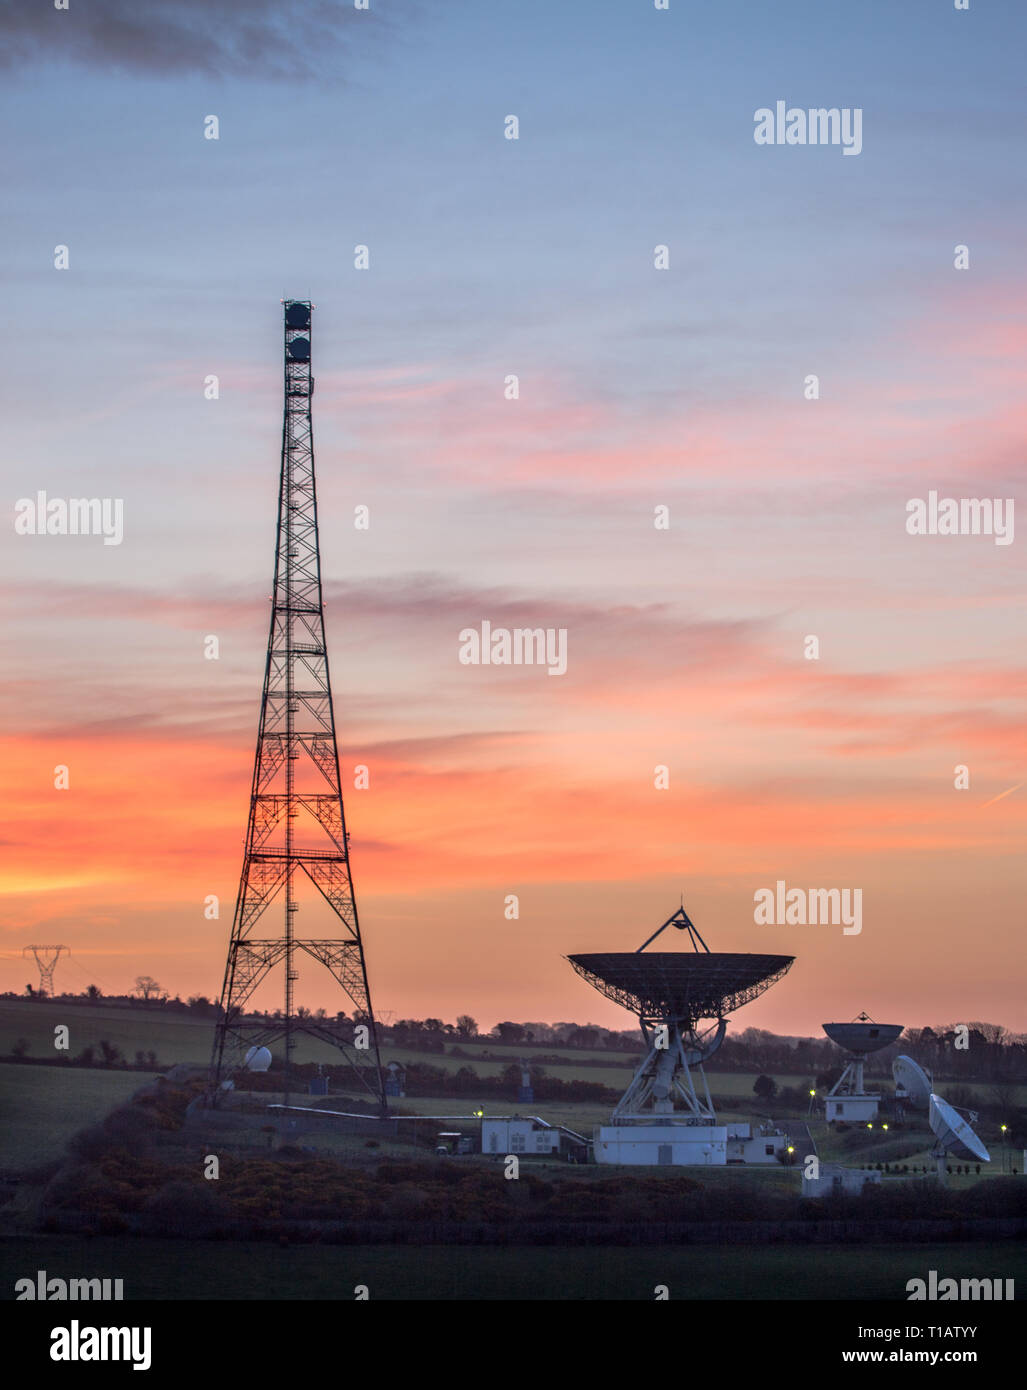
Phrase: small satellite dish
x=863 y=1035
x=297 y=316
x=299 y=349
x=257 y=1059
x=953 y=1133
x=912 y=1080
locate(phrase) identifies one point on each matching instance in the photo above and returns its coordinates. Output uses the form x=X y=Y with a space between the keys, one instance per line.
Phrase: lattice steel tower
x=297 y=826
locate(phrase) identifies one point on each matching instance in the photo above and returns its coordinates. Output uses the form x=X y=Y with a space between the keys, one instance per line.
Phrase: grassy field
x=164 y=1269
x=182 y=1038
x=44 y=1106
x=174 y=1038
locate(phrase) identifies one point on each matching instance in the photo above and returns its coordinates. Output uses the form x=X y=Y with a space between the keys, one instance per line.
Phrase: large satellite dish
x=299 y=349
x=684 y=986
x=672 y=992
x=912 y=1080
x=953 y=1133
x=297 y=316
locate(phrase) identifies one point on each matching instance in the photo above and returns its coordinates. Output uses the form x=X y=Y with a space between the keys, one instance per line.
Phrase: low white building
x=661 y=1144
x=762 y=1147
x=519 y=1134
x=854 y=1110
x=688 y=1145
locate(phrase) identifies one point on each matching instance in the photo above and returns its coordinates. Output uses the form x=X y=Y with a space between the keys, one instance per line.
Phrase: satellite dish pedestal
x=939 y=1155
x=850 y=1083
x=665 y=1076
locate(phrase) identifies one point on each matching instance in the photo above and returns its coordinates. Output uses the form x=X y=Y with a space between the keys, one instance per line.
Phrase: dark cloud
x=294 y=40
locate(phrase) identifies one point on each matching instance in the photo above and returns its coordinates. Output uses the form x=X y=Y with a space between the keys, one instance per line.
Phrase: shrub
x=184 y=1208
x=127 y=1128
x=1000 y=1196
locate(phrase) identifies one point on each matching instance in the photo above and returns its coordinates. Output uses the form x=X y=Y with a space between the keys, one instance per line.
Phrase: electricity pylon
x=46 y=957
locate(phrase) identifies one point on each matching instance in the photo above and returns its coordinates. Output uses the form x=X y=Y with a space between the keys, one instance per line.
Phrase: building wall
x=692 y=1145
x=764 y=1148
x=517 y=1136
x=831 y=1179
x=853 y=1109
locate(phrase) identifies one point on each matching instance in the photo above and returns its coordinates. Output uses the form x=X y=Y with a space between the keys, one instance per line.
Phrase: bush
x=128 y=1129
x=91 y=1144
x=998 y=1197
x=792 y=1098
x=67 y=1184
x=184 y=1208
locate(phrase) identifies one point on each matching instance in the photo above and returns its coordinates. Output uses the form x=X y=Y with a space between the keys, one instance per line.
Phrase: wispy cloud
x=245 y=38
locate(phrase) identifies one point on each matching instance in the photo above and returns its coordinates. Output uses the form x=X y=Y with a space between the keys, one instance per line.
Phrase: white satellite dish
x=257 y=1059
x=953 y=1133
x=912 y=1081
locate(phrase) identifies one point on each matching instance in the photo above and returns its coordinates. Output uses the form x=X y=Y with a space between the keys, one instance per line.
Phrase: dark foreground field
x=168 y=1269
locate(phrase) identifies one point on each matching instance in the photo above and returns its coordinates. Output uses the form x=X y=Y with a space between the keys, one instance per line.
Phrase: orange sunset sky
x=638 y=389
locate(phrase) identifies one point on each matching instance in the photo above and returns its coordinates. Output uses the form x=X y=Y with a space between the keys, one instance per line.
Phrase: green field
x=182 y=1038
x=164 y=1269
x=44 y=1106
x=174 y=1038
